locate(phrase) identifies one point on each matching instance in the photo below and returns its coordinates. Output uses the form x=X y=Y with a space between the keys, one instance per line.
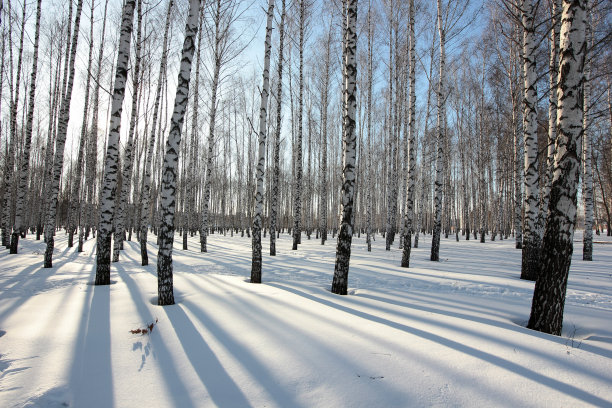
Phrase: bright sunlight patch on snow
x=449 y=333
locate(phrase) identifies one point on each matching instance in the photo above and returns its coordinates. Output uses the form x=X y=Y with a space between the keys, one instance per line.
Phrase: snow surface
x=448 y=333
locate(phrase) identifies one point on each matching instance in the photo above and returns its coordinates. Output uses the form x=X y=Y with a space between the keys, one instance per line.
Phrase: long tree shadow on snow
x=34 y=279
x=220 y=386
x=91 y=376
x=178 y=391
x=483 y=355
x=493 y=323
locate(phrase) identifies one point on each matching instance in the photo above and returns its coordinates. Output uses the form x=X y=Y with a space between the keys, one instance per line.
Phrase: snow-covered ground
x=438 y=334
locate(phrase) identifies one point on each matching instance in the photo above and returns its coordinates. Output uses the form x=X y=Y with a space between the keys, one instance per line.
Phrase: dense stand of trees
x=440 y=118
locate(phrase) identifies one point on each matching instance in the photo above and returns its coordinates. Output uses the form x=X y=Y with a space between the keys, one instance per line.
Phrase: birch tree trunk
x=19 y=227
x=411 y=181
x=109 y=184
x=75 y=195
x=276 y=153
x=551 y=284
x=369 y=186
x=587 y=240
x=165 y=288
x=297 y=206
x=518 y=173
x=531 y=235
x=60 y=142
x=211 y=133
x=324 y=138
x=192 y=217
x=92 y=154
x=345 y=234
x=127 y=158
x=261 y=162
x=435 y=243
x=553 y=61
x=146 y=181
x=9 y=162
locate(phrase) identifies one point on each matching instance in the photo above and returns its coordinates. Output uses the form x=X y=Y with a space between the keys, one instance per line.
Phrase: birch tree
x=92 y=148
x=553 y=61
x=369 y=186
x=165 y=287
x=411 y=181
x=109 y=184
x=146 y=181
x=60 y=141
x=20 y=226
x=9 y=161
x=587 y=239
x=261 y=162
x=557 y=248
x=531 y=236
x=128 y=159
x=349 y=88
x=75 y=194
x=224 y=14
x=435 y=243
x=297 y=201
x=277 y=137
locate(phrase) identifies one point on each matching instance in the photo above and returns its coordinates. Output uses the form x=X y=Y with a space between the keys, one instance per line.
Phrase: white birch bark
x=165 y=286
x=411 y=181
x=553 y=61
x=75 y=195
x=531 y=235
x=370 y=165
x=297 y=202
x=9 y=162
x=345 y=234
x=261 y=162
x=92 y=152
x=435 y=243
x=20 y=227
x=587 y=180
x=109 y=183
x=128 y=157
x=205 y=226
x=277 y=137
x=60 y=142
x=551 y=285
x=146 y=181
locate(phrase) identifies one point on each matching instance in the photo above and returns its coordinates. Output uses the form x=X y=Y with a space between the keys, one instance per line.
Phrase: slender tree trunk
x=411 y=181
x=75 y=195
x=297 y=229
x=109 y=184
x=92 y=154
x=20 y=226
x=324 y=138
x=531 y=235
x=345 y=235
x=146 y=183
x=165 y=287
x=259 y=194
x=128 y=156
x=551 y=284
x=211 y=134
x=587 y=240
x=552 y=111
x=191 y=218
x=60 y=142
x=435 y=243
x=10 y=155
x=277 y=135
x=370 y=186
